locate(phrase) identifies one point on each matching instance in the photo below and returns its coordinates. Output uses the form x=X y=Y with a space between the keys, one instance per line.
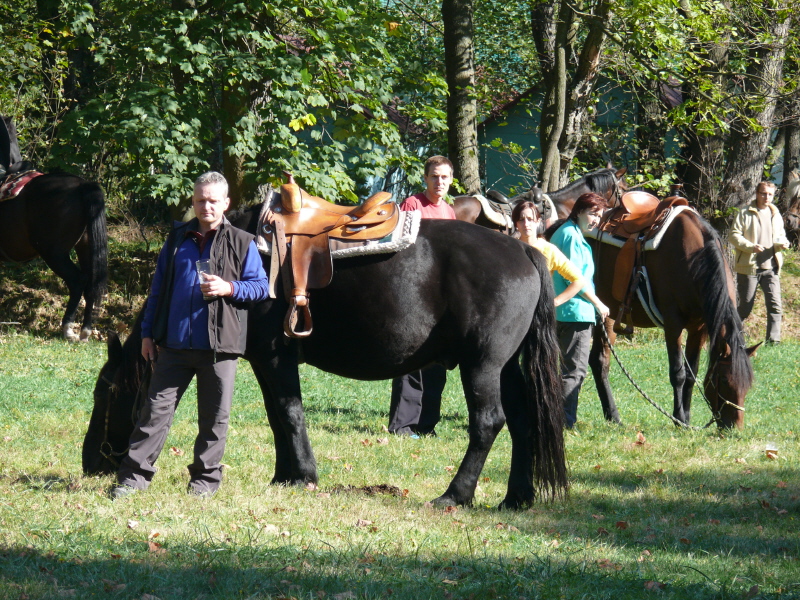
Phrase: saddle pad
x=494 y=216
x=650 y=244
x=403 y=236
x=13 y=184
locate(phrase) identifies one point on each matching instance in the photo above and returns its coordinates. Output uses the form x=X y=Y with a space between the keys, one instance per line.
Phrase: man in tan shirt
x=758 y=236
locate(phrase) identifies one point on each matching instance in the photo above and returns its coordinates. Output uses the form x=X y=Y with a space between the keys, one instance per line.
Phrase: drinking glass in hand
x=203 y=269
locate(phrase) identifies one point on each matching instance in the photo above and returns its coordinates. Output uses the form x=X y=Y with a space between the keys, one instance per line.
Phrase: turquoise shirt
x=569 y=239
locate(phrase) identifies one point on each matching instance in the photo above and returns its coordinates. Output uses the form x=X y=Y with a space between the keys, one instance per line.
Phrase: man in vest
x=194 y=328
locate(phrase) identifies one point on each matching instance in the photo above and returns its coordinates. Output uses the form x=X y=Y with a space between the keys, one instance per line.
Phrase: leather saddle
x=299 y=227
x=637 y=219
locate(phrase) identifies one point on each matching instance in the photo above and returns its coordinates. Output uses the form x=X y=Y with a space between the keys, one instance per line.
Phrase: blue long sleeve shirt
x=187 y=324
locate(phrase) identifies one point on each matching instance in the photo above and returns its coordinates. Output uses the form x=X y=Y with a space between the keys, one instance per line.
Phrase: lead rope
x=640 y=390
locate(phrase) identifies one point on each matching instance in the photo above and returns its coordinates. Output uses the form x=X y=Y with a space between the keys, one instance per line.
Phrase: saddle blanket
x=403 y=236
x=650 y=244
x=13 y=184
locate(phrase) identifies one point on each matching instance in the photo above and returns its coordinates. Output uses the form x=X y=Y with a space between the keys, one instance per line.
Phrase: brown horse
x=692 y=289
x=607 y=182
x=53 y=214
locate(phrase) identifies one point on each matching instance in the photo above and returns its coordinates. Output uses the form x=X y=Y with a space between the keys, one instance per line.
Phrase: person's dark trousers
x=770 y=283
x=575 y=342
x=173 y=372
x=417 y=401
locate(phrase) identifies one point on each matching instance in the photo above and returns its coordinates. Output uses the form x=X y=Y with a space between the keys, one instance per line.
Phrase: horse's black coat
x=53 y=214
x=462 y=295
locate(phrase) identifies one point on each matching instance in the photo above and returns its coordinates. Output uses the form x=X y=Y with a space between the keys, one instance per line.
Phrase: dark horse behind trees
x=692 y=288
x=608 y=182
x=53 y=214
x=460 y=295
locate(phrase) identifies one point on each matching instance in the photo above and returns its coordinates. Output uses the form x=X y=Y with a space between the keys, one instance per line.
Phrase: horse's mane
x=709 y=268
x=133 y=366
x=598 y=181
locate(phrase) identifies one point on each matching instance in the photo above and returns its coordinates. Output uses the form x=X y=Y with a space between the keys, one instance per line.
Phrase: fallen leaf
x=772 y=455
x=741 y=461
x=602 y=531
x=640 y=439
x=156 y=548
x=654 y=585
x=176 y=451
x=344 y=596
x=324 y=495
x=450 y=509
x=449 y=582
x=382 y=441
x=449 y=468
x=153 y=534
x=621 y=525
x=714 y=521
x=597 y=467
x=366 y=443
x=751 y=593
x=604 y=563
x=132 y=524
x=415 y=456
x=599 y=517
x=290 y=569
x=685 y=541
x=348 y=467
x=363 y=523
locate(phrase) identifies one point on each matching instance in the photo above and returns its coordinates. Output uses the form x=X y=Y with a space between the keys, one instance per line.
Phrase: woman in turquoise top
x=577 y=316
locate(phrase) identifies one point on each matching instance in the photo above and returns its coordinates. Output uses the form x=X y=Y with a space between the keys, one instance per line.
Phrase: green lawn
x=685 y=514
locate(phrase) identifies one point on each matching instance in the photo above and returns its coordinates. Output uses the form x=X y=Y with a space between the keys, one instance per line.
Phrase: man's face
x=764 y=195
x=210 y=203
x=438 y=180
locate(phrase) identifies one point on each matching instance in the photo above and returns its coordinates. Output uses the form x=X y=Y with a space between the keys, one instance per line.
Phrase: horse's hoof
x=85 y=334
x=69 y=335
x=444 y=501
x=514 y=503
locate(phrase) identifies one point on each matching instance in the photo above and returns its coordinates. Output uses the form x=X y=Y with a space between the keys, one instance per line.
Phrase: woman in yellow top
x=528 y=221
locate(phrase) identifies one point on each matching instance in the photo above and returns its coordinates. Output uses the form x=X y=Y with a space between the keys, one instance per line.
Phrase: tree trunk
x=747 y=147
x=582 y=87
x=564 y=112
x=462 y=134
x=702 y=153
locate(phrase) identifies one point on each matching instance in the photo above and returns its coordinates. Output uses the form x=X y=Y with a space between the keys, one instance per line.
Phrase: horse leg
x=486 y=419
x=283 y=462
x=599 y=362
x=62 y=265
x=520 y=477
x=677 y=373
x=279 y=379
x=694 y=342
x=89 y=295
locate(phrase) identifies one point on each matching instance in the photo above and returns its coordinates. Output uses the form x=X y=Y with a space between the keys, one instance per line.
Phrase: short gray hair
x=211 y=177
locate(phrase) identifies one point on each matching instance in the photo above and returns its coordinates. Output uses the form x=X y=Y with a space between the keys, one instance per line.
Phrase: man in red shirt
x=417 y=397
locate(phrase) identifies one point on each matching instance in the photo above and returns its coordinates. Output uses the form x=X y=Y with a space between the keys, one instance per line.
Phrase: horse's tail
x=540 y=364
x=95 y=205
x=710 y=269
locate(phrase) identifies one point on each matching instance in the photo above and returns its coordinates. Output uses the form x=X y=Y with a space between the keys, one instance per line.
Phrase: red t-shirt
x=429 y=210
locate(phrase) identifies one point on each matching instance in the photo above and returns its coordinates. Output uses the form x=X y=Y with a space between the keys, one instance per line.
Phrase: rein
x=643 y=393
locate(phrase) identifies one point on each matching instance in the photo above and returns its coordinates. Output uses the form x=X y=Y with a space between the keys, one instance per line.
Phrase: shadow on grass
x=283 y=571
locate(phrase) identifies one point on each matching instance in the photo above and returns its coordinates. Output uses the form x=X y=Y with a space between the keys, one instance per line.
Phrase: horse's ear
x=609 y=165
x=751 y=351
x=114 y=348
x=620 y=173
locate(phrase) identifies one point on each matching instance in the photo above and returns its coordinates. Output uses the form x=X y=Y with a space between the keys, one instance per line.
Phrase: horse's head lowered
x=727 y=382
x=116 y=392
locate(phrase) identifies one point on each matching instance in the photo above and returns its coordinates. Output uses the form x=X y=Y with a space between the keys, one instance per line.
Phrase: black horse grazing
x=53 y=214
x=692 y=289
x=461 y=295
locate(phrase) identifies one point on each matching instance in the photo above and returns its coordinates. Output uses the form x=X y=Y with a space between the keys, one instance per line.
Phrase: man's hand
x=216 y=286
x=758 y=248
x=149 y=350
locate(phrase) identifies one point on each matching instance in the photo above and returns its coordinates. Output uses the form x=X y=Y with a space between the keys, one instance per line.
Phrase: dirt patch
x=369 y=490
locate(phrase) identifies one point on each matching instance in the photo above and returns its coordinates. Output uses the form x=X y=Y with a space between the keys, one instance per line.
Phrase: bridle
x=106 y=449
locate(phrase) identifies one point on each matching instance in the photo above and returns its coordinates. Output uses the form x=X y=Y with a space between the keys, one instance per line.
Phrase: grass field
x=653 y=511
